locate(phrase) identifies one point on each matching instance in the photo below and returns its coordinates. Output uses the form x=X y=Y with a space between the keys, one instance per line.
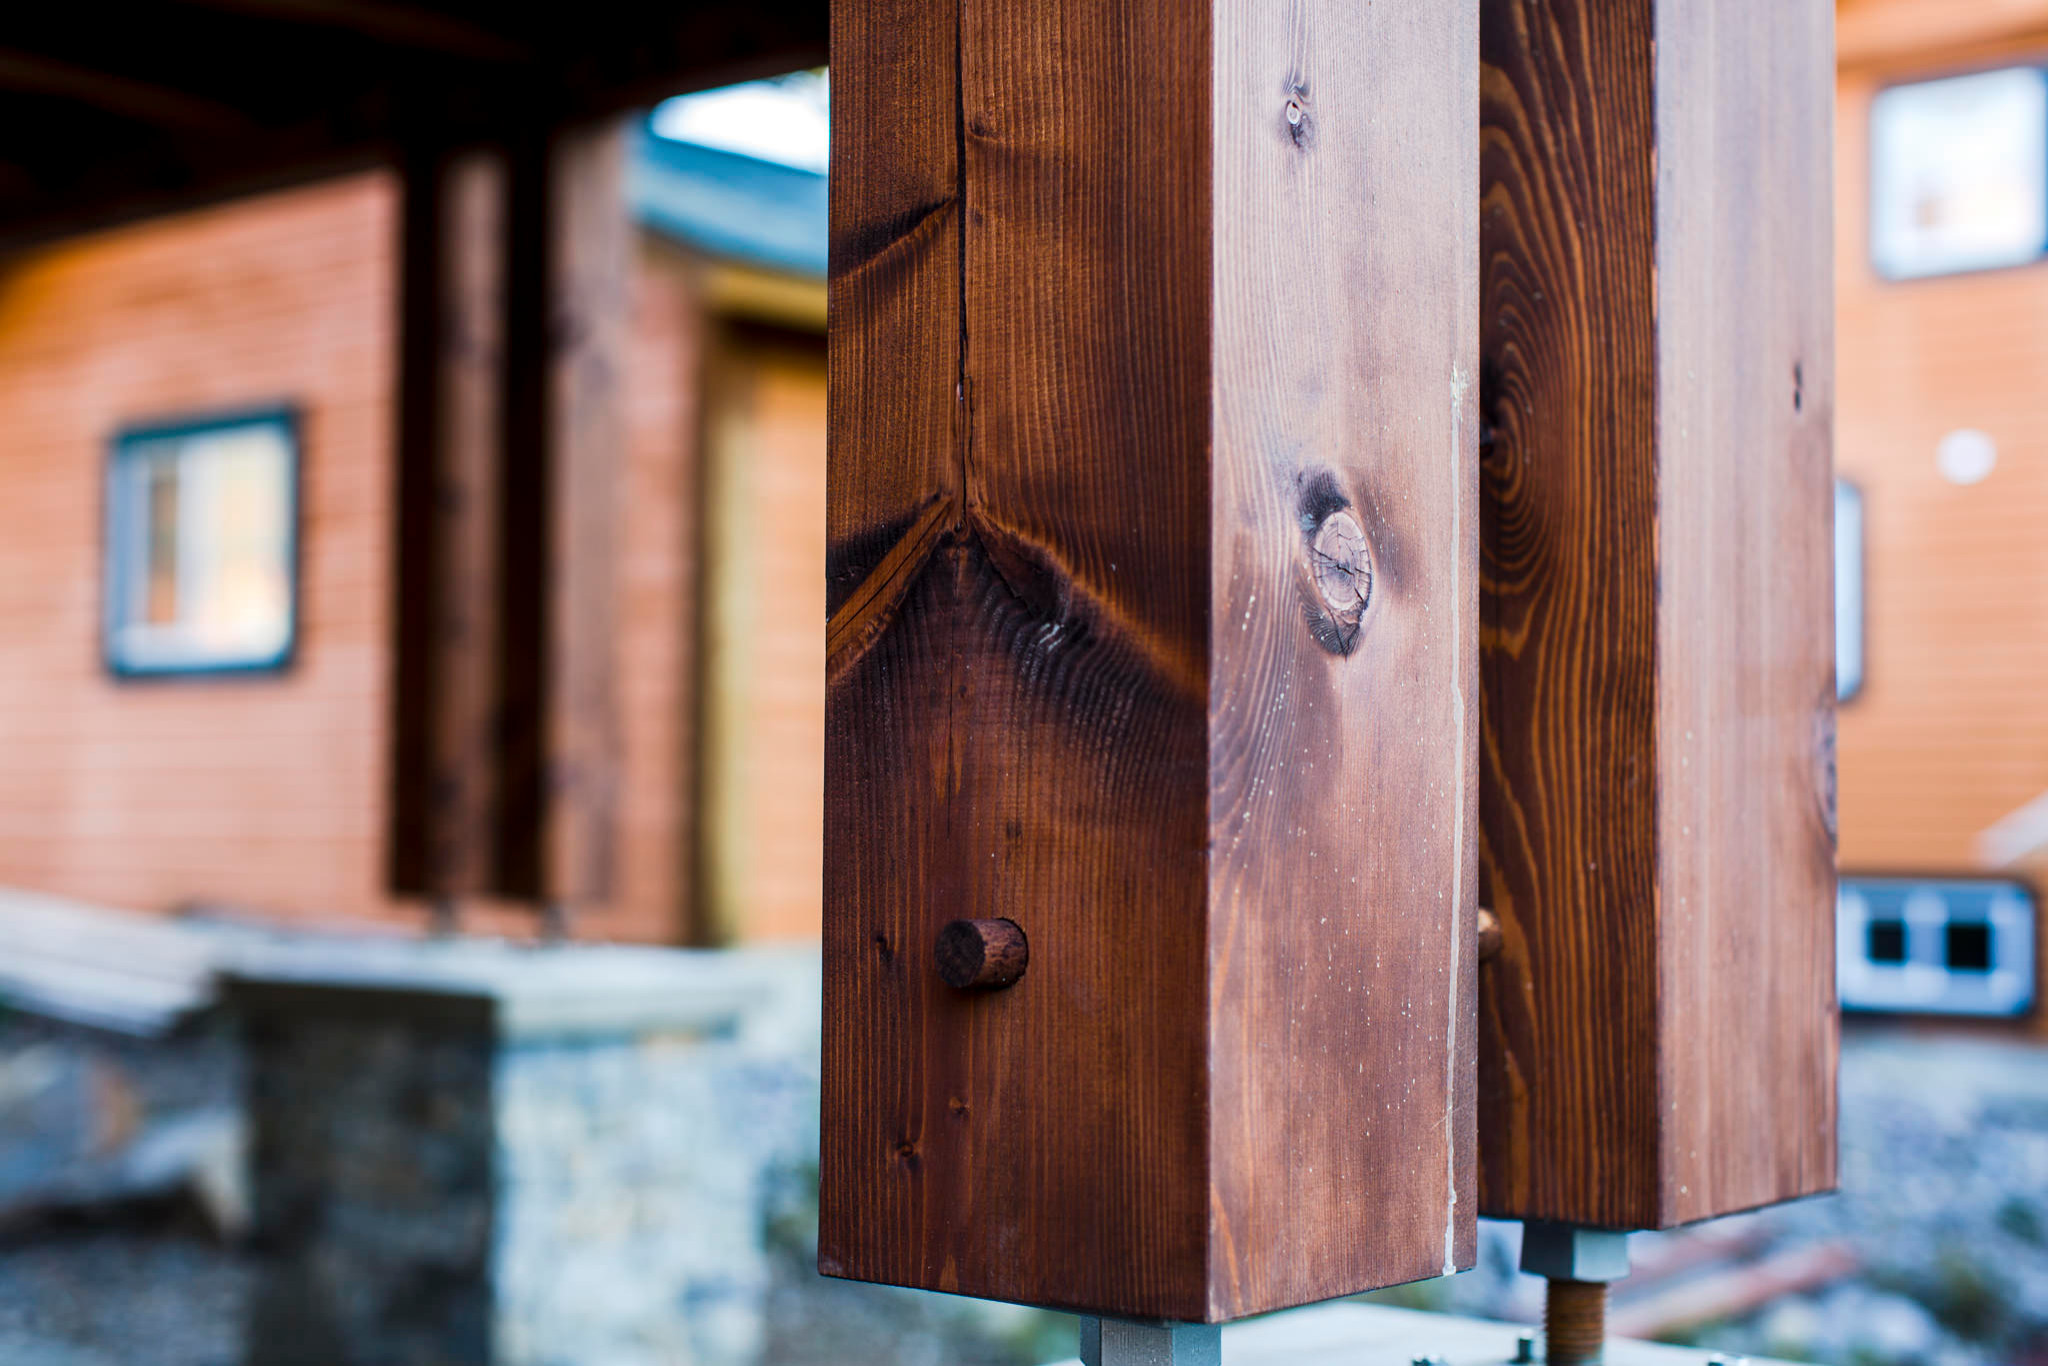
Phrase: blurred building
x=1942 y=437
x=264 y=787
x=196 y=568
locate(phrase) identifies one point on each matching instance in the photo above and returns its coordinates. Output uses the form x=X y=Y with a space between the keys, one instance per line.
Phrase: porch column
x=516 y=298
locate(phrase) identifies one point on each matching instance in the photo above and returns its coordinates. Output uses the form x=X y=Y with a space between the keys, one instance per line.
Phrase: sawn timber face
x=1659 y=1030
x=1153 y=605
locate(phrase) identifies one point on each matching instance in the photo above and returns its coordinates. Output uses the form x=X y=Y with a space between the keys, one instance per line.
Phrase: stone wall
x=650 y=1159
x=523 y=1157
x=464 y=1153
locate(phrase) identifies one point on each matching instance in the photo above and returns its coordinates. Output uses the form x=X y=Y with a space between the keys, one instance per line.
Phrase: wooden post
x=1152 y=539
x=515 y=323
x=443 y=793
x=1658 y=1034
x=569 y=249
x=590 y=330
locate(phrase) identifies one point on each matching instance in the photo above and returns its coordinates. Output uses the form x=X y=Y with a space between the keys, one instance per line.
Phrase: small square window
x=1887 y=941
x=1959 y=173
x=201 y=546
x=1969 y=946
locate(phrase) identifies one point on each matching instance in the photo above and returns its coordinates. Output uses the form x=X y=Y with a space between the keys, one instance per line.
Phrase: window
x=1947 y=946
x=201 y=544
x=1959 y=173
x=1969 y=945
x=1848 y=590
x=1887 y=941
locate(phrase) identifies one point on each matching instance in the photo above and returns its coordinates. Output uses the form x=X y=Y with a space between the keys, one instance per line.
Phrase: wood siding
x=1950 y=732
x=268 y=792
x=761 y=787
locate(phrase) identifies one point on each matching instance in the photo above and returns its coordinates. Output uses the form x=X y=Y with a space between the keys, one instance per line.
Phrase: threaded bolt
x=1575 y=1322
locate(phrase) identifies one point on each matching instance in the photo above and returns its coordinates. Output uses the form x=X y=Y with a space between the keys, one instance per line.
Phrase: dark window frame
x=117 y=554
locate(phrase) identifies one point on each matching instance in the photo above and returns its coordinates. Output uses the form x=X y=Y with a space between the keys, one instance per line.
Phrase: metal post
x=1150 y=1342
x=1578 y=1262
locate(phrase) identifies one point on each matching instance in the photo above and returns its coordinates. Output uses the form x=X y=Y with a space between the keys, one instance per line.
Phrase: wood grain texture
x=1658 y=1033
x=981 y=955
x=1152 y=523
x=1343 y=817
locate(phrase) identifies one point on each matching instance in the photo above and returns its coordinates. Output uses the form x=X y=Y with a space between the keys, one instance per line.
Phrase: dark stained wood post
x=1658 y=1033
x=1153 y=624
x=589 y=333
x=569 y=253
x=443 y=792
x=516 y=323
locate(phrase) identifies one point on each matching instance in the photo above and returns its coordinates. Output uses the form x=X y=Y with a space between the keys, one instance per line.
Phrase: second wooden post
x=1658 y=1034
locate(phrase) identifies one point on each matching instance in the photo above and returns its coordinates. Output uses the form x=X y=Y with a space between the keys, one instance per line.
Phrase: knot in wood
x=981 y=955
x=1299 y=124
x=1341 y=565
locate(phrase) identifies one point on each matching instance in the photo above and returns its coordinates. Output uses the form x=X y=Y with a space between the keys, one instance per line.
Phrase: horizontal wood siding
x=267 y=792
x=762 y=785
x=1950 y=732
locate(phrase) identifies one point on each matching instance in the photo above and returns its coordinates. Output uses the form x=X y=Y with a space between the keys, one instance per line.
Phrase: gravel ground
x=1944 y=1204
x=139 y=1284
x=155 y=1290
x=1944 y=1199
x=1943 y=1207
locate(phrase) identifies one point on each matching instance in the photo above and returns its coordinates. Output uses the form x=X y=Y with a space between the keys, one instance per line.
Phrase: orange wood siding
x=268 y=792
x=1908 y=32
x=657 y=612
x=763 y=782
x=1950 y=732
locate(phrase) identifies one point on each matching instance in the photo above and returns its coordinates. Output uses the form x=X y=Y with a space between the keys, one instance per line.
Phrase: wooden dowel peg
x=1489 y=934
x=981 y=955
